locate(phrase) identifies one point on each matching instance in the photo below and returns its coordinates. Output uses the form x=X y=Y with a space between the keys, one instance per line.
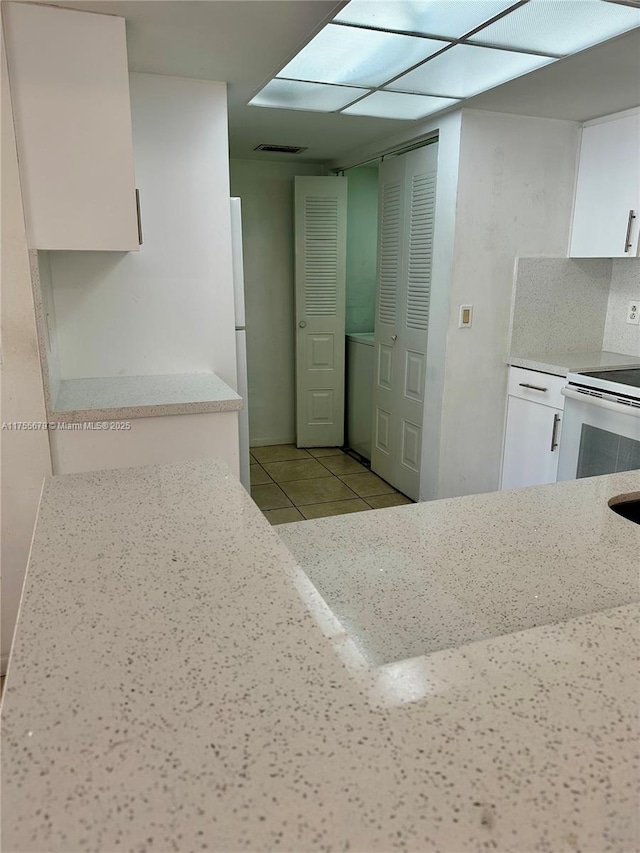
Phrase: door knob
x=302 y=324
x=394 y=338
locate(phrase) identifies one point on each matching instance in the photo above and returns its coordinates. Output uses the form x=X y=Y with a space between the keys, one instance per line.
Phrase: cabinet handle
x=554 y=433
x=627 y=239
x=533 y=387
x=139 y=216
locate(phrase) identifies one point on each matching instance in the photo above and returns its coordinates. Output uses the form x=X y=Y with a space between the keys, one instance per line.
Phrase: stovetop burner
x=629 y=376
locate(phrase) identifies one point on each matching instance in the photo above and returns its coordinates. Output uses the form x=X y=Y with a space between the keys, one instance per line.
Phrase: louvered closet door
x=399 y=390
x=320 y=238
x=391 y=274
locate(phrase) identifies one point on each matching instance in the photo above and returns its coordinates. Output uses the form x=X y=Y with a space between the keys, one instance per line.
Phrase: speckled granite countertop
x=430 y=576
x=125 y=397
x=559 y=364
x=178 y=683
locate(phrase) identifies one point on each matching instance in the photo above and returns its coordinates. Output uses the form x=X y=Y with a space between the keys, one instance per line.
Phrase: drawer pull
x=533 y=387
x=554 y=433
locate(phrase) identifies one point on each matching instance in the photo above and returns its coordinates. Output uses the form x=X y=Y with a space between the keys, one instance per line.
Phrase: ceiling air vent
x=280 y=149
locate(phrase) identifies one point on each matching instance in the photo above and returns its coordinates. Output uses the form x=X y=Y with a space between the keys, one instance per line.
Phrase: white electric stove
x=601 y=423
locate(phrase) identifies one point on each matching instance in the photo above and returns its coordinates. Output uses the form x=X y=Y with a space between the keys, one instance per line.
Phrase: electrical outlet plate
x=465 y=316
x=633 y=313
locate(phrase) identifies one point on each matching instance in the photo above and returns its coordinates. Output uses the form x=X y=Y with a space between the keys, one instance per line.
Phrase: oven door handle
x=619 y=408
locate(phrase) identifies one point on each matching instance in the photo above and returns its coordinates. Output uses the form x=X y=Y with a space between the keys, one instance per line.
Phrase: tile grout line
x=324 y=502
x=312 y=503
x=335 y=477
x=300 y=507
x=331 y=475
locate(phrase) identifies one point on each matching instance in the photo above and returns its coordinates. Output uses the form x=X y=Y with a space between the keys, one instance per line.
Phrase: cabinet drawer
x=537 y=387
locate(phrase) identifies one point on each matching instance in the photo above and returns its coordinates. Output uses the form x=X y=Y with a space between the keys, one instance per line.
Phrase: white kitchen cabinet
x=70 y=92
x=533 y=426
x=606 y=215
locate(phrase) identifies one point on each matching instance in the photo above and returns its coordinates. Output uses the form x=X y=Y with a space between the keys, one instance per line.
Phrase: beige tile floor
x=289 y=484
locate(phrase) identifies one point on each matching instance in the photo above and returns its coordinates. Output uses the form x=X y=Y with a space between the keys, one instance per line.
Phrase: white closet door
x=390 y=276
x=320 y=289
x=407 y=204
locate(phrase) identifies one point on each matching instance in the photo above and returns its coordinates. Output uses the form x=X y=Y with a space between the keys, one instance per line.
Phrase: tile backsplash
x=620 y=336
x=564 y=305
x=559 y=305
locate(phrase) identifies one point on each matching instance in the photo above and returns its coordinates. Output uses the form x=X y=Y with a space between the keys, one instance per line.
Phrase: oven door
x=599 y=436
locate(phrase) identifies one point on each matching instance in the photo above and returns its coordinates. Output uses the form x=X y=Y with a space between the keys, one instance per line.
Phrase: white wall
x=169 y=307
x=267 y=194
x=516 y=185
x=25 y=455
x=620 y=336
x=150 y=441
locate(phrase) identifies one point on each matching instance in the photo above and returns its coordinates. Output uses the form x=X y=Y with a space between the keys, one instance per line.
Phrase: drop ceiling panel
x=463 y=71
x=447 y=18
x=559 y=26
x=294 y=95
x=358 y=57
x=398 y=105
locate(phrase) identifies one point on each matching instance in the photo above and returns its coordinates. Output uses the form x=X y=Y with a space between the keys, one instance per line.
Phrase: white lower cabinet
x=533 y=427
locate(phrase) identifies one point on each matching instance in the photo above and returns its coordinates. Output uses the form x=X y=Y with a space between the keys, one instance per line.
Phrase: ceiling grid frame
x=392 y=86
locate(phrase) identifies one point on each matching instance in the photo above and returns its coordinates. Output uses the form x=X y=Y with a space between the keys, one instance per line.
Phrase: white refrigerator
x=241 y=338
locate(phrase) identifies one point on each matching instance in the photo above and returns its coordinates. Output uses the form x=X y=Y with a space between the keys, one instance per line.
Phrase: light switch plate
x=633 y=313
x=465 y=316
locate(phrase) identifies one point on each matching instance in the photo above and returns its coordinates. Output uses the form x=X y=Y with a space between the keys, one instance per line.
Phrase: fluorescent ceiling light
x=464 y=71
x=398 y=105
x=358 y=57
x=447 y=18
x=559 y=26
x=316 y=97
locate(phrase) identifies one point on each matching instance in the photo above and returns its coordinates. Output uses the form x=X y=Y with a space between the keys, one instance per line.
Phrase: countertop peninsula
x=559 y=364
x=177 y=682
x=124 y=397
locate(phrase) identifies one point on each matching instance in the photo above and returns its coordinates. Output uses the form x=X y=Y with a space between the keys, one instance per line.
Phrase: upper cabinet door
x=606 y=216
x=70 y=92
